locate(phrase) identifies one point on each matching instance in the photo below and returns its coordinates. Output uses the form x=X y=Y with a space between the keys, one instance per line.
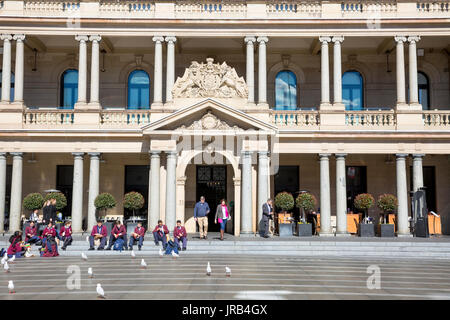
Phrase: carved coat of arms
x=210 y=80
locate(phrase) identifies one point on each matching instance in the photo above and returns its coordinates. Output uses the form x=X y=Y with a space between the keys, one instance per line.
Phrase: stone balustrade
x=124 y=118
x=437 y=119
x=50 y=8
x=47 y=118
x=127 y=9
x=371 y=119
x=194 y=9
x=297 y=9
x=367 y=9
x=295 y=119
x=433 y=7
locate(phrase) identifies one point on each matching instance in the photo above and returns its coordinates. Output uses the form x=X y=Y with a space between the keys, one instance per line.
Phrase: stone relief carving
x=209 y=122
x=210 y=80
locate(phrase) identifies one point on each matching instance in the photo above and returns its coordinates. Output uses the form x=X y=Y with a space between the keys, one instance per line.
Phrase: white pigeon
x=83 y=256
x=160 y=253
x=143 y=264
x=90 y=273
x=208 y=269
x=6 y=266
x=133 y=255
x=11 y=287
x=175 y=255
x=100 y=291
x=227 y=272
x=11 y=260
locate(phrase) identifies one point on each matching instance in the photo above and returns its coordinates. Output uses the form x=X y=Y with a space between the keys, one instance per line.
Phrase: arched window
x=12 y=85
x=69 y=89
x=352 y=90
x=138 y=90
x=285 y=91
x=424 y=90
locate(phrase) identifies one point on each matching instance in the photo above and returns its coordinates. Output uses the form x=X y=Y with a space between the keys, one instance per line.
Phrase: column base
x=157 y=105
x=401 y=106
x=415 y=106
x=17 y=105
x=326 y=234
x=247 y=234
x=263 y=105
x=339 y=106
x=342 y=234
x=405 y=235
x=326 y=106
x=93 y=106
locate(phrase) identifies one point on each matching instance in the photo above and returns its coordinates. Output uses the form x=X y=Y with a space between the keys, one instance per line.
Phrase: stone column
x=82 y=69
x=400 y=66
x=417 y=171
x=341 y=195
x=170 y=74
x=171 y=190
x=95 y=69
x=263 y=188
x=153 y=195
x=325 y=211
x=6 y=68
x=77 y=192
x=2 y=190
x=324 y=71
x=402 y=196
x=262 y=72
x=157 y=82
x=16 y=192
x=250 y=70
x=337 y=71
x=413 y=88
x=246 y=203
x=18 y=83
x=94 y=179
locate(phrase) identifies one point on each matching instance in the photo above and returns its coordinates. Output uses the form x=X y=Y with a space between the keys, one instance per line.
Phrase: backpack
x=118 y=245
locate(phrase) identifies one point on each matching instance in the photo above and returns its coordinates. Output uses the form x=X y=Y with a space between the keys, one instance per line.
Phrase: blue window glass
x=352 y=90
x=286 y=91
x=69 y=89
x=12 y=85
x=424 y=90
x=138 y=90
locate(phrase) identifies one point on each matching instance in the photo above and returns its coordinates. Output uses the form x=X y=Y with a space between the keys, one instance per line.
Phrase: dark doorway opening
x=64 y=183
x=8 y=195
x=212 y=184
x=287 y=179
x=136 y=179
x=356 y=184
x=429 y=182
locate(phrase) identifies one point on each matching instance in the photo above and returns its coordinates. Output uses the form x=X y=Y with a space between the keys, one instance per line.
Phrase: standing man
x=267 y=215
x=201 y=211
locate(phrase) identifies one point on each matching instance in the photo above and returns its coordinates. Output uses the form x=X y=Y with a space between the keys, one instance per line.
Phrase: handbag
x=220 y=220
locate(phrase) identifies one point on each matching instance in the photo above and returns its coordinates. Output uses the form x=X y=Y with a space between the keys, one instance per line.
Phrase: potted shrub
x=104 y=201
x=33 y=201
x=307 y=203
x=133 y=201
x=387 y=203
x=364 y=202
x=284 y=201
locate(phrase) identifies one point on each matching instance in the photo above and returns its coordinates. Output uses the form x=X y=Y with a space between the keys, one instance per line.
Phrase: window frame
x=296 y=90
x=129 y=87
x=361 y=89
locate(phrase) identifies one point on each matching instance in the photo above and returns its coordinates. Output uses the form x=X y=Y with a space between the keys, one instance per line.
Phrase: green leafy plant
x=284 y=201
x=387 y=203
x=133 y=201
x=364 y=201
x=104 y=201
x=61 y=201
x=33 y=201
x=306 y=202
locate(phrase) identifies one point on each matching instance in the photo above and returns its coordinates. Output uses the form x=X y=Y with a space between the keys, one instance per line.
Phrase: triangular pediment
x=209 y=115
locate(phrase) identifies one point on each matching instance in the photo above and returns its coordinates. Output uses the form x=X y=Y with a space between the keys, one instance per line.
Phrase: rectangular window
x=64 y=183
x=136 y=179
x=429 y=182
x=356 y=184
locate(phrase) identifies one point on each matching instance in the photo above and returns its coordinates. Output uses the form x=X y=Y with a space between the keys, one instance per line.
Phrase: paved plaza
x=253 y=277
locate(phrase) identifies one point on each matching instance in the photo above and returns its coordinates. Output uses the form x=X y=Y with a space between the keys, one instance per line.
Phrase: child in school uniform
x=65 y=234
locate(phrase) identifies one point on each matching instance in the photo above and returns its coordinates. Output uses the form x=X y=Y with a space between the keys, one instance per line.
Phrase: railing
x=48 y=117
x=210 y=9
x=127 y=9
x=370 y=119
x=48 y=8
x=125 y=117
x=374 y=9
x=433 y=7
x=436 y=119
x=297 y=119
x=294 y=9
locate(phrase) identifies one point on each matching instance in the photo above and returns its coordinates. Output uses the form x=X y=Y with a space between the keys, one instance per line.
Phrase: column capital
x=95 y=37
x=262 y=39
x=78 y=155
x=418 y=155
x=413 y=39
x=94 y=154
x=401 y=155
x=17 y=154
x=246 y=153
x=19 y=37
x=263 y=153
x=400 y=39
x=5 y=36
x=171 y=154
x=236 y=181
x=338 y=39
x=340 y=155
x=154 y=153
x=324 y=39
x=158 y=39
x=181 y=181
x=170 y=39
x=250 y=39
x=324 y=156
x=82 y=38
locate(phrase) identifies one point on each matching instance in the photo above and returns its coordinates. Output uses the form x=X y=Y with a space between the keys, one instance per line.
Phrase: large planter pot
x=386 y=230
x=366 y=230
x=285 y=229
x=304 y=229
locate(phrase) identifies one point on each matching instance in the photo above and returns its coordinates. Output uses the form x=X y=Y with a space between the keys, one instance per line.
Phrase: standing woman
x=222 y=216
